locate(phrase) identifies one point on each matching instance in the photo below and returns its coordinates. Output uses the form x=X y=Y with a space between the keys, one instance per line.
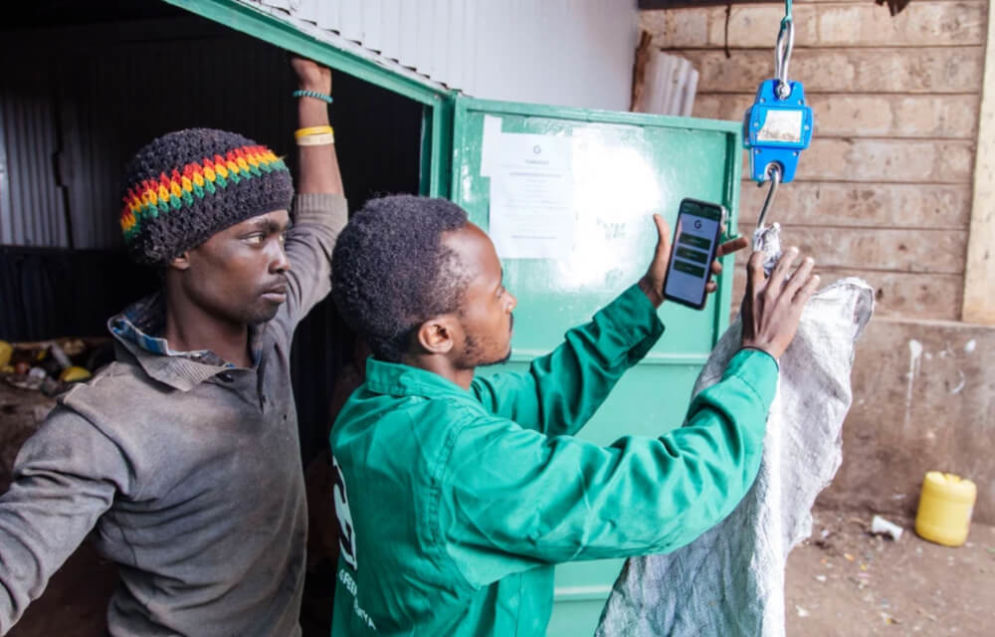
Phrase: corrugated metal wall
x=565 y=52
x=70 y=123
x=32 y=210
x=71 y=120
x=128 y=93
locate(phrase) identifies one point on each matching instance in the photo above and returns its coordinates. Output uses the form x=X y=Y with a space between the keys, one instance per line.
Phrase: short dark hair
x=391 y=271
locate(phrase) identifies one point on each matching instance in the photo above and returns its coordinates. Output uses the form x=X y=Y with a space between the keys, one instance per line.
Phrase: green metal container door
x=612 y=170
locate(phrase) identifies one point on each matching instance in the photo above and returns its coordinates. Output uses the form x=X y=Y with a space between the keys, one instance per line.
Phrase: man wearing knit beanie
x=183 y=454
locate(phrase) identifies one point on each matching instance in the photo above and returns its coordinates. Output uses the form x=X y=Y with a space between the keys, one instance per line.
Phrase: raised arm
x=557 y=499
x=66 y=476
x=319 y=165
x=521 y=498
x=561 y=391
x=320 y=210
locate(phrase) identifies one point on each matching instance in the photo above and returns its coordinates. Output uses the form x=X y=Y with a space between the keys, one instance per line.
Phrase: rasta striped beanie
x=185 y=186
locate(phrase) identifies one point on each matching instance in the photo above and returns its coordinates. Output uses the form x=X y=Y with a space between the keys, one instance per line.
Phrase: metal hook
x=774 y=175
x=782 y=56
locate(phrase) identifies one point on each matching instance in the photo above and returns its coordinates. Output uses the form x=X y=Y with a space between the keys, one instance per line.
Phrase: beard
x=484 y=362
x=476 y=355
x=503 y=359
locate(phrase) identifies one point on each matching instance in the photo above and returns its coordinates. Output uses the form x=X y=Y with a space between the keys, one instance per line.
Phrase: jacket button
x=225 y=377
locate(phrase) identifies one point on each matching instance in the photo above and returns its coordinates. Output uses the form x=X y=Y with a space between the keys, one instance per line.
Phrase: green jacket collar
x=398 y=379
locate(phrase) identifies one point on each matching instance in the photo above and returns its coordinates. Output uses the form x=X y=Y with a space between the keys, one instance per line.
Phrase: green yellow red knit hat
x=185 y=186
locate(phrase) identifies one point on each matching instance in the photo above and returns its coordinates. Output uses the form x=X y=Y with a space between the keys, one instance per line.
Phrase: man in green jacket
x=457 y=495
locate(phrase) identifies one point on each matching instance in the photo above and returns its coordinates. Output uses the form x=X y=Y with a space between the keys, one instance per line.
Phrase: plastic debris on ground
x=52 y=366
x=882 y=526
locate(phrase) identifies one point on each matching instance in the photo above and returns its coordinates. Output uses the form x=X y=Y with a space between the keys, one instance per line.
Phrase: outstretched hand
x=652 y=282
x=772 y=307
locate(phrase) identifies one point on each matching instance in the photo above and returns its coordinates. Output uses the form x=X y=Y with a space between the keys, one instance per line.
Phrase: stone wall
x=924 y=398
x=883 y=193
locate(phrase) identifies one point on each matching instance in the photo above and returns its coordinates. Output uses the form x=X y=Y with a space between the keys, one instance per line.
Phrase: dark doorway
x=82 y=91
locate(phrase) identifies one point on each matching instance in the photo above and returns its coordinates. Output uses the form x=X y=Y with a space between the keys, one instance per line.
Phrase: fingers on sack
x=807 y=290
x=781 y=270
x=800 y=277
x=755 y=272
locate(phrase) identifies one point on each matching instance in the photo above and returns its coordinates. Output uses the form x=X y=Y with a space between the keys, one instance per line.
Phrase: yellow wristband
x=321 y=139
x=312 y=130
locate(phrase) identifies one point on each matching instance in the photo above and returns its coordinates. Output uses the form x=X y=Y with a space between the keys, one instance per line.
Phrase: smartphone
x=696 y=238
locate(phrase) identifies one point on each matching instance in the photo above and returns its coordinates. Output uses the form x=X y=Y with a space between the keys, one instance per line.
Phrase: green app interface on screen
x=694 y=249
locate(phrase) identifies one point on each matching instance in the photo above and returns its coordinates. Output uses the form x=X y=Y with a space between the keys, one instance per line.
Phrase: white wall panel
x=328 y=15
x=351 y=18
x=373 y=33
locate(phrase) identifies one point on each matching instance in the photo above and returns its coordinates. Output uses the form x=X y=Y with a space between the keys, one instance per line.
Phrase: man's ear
x=181 y=262
x=437 y=335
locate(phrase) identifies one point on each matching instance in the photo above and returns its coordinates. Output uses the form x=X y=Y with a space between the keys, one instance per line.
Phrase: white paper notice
x=531 y=211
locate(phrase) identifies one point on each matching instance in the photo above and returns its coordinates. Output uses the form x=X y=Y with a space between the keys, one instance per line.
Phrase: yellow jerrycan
x=945 y=507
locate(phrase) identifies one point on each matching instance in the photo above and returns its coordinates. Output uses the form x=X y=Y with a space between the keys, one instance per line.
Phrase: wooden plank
x=886 y=161
x=908 y=295
x=677 y=28
x=861 y=205
x=755 y=26
x=820 y=25
x=867 y=115
x=645 y=6
x=806 y=2
x=882 y=249
x=979 y=290
x=919 y=24
x=844 y=70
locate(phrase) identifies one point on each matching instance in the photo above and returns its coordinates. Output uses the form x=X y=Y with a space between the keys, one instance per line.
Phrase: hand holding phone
x=693 y=249
x=652 y=283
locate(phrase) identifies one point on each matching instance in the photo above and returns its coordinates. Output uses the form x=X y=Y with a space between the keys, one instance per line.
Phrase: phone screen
x=695 y=240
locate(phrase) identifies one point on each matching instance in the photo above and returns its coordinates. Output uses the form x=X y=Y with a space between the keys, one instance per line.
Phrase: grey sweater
x=187 y=469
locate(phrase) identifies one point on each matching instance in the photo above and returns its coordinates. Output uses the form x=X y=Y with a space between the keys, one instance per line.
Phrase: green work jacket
x=455 y=504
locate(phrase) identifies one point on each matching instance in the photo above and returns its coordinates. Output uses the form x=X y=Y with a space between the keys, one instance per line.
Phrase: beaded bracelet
x=315 y=94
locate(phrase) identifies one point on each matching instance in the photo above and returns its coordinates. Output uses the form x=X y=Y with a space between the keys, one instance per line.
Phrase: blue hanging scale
x=779 y=124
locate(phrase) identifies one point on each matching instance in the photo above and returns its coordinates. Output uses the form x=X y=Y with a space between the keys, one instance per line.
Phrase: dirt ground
x=842 y=581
